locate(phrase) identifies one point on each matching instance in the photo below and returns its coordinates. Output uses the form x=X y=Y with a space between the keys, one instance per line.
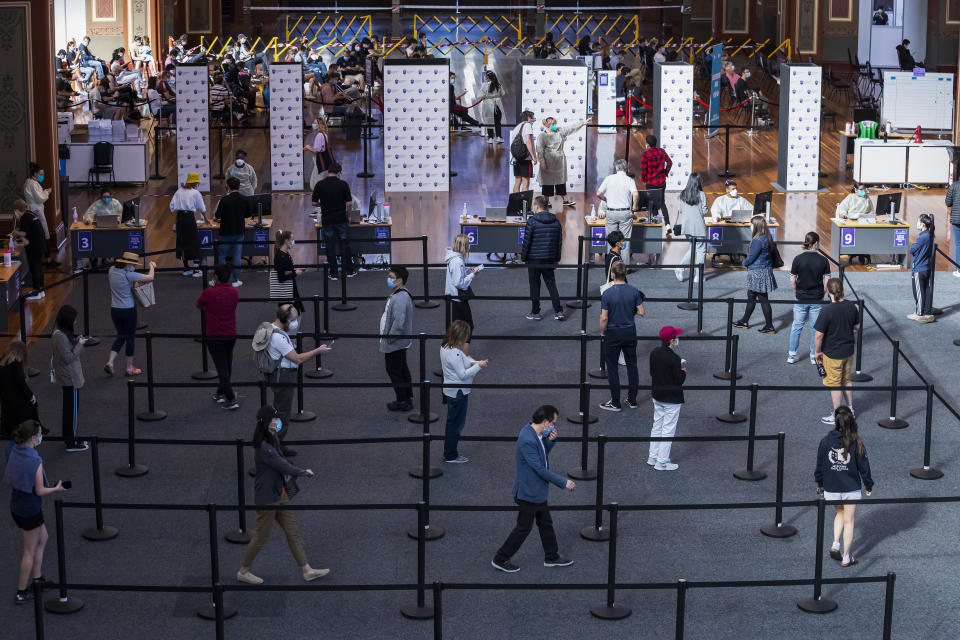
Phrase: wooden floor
x=482 y=181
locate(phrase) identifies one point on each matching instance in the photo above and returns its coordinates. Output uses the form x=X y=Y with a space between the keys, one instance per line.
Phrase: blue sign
x=472 y=234
x=206 y=239
x=261 y=237
x=381 y=233
x=84 y=241
x=598 y=234
x=848 y=237
x=715 y=75
x=135 y=240
x=520 y=232
x=715 y=236
x=773 y=233
x=899 y=237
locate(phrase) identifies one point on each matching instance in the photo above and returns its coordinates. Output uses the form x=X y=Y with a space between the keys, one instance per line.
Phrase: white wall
x=878 y=44
x=70 y=21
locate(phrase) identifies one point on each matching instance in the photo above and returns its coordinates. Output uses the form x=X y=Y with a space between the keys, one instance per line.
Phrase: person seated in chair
x=854 y=206
x=907 y=63
x=106 y=205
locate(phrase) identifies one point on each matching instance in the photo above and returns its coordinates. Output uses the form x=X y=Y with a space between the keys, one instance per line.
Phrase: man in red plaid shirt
x=655 y=165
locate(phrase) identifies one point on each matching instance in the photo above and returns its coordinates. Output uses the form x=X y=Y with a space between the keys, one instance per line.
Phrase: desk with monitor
x=210 y=232
x=366 y=238
x=647 y=237
x=11 y=282
x=87 y=240
x=882 y=234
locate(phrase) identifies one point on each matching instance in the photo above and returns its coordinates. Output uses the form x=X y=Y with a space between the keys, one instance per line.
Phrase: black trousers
x=497 y=119
x=623 y=341
x=460 y=310
x=69 y=416
x=464 y=115
x=547 y=273
x=221 y=352
x=35 y=265
x=530 y=512
x=399 y=373
x=283 y=396
x=921 y=292
x=655 y=203
x=752 y=297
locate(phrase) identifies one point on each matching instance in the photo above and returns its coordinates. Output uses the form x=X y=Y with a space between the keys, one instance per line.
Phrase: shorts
x=846 y=495
x=523 y=169
x=838 y=371
x=550 y=190
x=28 y=523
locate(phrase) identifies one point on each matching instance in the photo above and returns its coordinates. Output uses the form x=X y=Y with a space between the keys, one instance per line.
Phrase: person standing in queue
x=668 y=372
x=186 y=203
x=17 y=400
x=655 y=166
x=620 y=193
x=760 y=278
x=835 y=342
x=232 y=213
x=68 y=373
x=491 y=107
x=459 y=278
x=458 y=368
x=36 y=196
x=244 y=172
x=219 y=304
x=283 y=276
x=323 y=154
x=396 y=325
x=332 y=195
x=691 y=223
x=123 y=308
x=809 y=274
x=921 y=266
x=541 y=250
x=530 y=489
x=619 y=305
x=523 y=164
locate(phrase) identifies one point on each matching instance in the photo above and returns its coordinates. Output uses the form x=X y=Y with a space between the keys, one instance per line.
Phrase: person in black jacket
x=232 y=212
x=841 y=466
x=668 y=371
x=284 y=271
x=17 y=401
x=541 y=245
x=274 y=475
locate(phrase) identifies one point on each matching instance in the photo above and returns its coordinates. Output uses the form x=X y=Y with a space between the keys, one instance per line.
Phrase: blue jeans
x=801 y=314
x=456 y=418
x=230 y=247
x=86 y=73
x=334 y=234
x=956 y=242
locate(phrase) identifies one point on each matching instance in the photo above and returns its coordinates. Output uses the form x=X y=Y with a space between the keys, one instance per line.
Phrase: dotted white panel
x=416 y=128
x=560 y=92
x=803 y=138
x=193 y=134
x=286 y=127
x=676 y=121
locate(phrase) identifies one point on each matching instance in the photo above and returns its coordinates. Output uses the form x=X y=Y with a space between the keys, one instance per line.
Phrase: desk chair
x=102 y=164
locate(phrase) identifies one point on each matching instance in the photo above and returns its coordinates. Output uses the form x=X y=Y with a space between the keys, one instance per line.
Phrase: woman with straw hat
x=123 y=308
x=186 y=202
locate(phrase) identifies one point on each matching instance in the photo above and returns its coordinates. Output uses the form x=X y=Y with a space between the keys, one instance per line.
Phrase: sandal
x=133 y=371
x=836 y=555
x=849 y=563
x=108 y=368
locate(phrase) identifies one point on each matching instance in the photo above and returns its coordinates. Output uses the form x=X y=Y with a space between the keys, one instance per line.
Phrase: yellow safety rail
x=761 y=46
x=737 y=50
x=785 y=43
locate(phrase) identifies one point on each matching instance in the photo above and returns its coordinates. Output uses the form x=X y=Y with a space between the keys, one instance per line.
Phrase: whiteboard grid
x=909 y=100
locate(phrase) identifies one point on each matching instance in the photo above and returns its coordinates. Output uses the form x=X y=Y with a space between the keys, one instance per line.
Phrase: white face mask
x=240 y=162
x=733 y=193
x=294 y=325
x=919 y=227
x=676 y=342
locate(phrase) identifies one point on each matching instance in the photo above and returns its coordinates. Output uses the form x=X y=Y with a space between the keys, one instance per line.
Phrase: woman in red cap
x=667 y=373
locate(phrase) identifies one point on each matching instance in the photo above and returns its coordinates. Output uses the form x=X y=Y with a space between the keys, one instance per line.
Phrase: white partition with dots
x=555 y=88
x=416 y=125
x=798 y=153
x=286 y=126
x=193 y=124
x=673 y=118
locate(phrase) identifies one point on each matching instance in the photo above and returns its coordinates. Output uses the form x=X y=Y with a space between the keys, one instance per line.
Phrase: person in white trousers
x=667 y=373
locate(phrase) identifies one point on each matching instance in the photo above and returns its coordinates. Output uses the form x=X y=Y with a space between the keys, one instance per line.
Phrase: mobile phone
x=330 y=344
x=67 y=484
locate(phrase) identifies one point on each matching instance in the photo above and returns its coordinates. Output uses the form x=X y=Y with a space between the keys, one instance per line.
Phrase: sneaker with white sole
x=666 y=466
x=237 y=283
x=198 y=274
x=561 y=317
x=912 y=316
x=534 y=316
x=80 y=446
x=652 y=461
x=506 y=566
x=827 y=419
x=559 y=561
x=230 y=405
x=458 y=460
x=632 y=405
x=211 y=282
x=249 y=578
x=956 y=273
x=186 y=273
x=609 y=406
x=791 y=358
x=922 y=319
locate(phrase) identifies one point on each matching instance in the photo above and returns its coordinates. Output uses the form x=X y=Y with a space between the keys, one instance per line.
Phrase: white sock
x=835 y=546
x=846 y=558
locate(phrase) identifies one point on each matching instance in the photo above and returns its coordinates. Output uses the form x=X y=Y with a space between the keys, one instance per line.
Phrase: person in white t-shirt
x=186 y=203
x=523 y=168
x=620 y=193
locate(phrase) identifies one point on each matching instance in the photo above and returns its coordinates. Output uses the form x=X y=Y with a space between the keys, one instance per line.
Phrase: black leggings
x=752 y=297
x=125 y=322
x=497 y=119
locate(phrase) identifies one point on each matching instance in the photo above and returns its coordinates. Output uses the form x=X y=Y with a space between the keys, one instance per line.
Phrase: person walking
x=952 y=201
x=692 y=223
x=655 y=166
x=458 y=368
x=68 y=373
x=123 y=308
x=17 y=400
x=244 y=173
x=842 y=468
x=760 y=279
x=28 y=483
x=232 y=213
x=541 y=251
x=29 y=232
x=523 y=163
x=283 y=276
x=619 y=305
x=333 y=197
x=809 y=274
x=323 y=154
x=459 y=278
x=668 y=371
x=396 y=324
x=491 y=106
x=553 y=158
x=921 y=266
x=219 y=304
x=834 y=345
x=187 y=202
x=620 y=193
x=530 y=489
x=273 y=486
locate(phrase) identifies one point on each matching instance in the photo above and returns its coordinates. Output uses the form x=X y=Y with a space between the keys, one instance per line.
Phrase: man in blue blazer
x=530 y=491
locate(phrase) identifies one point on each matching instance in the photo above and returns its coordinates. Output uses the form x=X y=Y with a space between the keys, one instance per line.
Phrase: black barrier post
x=64 y=603
x=725 y=374
x=926 y=472
x=204 y=373
x=326 y=300
x=583 y=296
x=437 y=611
x=366 y=173
x=726 y=154
x=578 y=304
x=262 y=384
x=585 y=419
x=690 y=305
x=893 y=422
x=151 y=414
x=220 y=175
x=600 y=372
x=732 y=417
x=888 y=606
x=681 y=607
x=425 y=415
x=749 y=473
x=934 y=311
x=37 y=586
x=156 y=155
x=778 y=529
x=301 y=415
x=858 y=375
x=132 y=470
x=101 y=531
x=318 y=371
x=610 y=610
x=596 y=532
x=91 y=341
x=218 y=608
x=818 y=604
x=583 y=414
x=420 y=610
x=23 y=319
x=344 y=304
x=210 y=610
x=240 y=535
x=702 y=275
x=426 y=303
x=425 y=468
x=431 y=533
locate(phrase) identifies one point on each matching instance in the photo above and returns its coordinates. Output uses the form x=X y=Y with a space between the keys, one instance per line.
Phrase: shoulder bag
x=145 y=294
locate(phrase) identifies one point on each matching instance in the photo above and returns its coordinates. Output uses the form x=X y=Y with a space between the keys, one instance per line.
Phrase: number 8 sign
x=848 y=238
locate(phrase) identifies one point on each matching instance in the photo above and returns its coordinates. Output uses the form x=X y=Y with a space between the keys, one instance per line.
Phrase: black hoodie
x=839 y=474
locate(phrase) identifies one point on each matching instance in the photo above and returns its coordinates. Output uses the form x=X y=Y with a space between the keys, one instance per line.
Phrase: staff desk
x=647 y=237
x=733 y=237
x=89 y=241
x=11 y=279
x=846 y=145
x=859 y=237
x=211 y=231
x=131 y=160
x=494 y=237
x=378 y=232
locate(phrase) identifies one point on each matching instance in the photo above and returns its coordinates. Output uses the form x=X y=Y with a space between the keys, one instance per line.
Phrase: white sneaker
x=489 y=140
x=679 y=273
x=237 y=283
x=499 y=140
x=198 y=274
x=666 y=466
x=912 y=316
x=186 y=273
x=36 y=296
x=651 y=461
x=791 y=358
x=956 y=273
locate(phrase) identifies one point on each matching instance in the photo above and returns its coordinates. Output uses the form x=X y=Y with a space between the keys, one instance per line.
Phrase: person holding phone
x=67 y=371
x=458 y=368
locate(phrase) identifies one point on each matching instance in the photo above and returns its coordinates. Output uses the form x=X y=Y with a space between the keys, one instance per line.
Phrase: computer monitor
x=520 y=203
x=262 y=204
x=642 y=201
x=889 y=203
x=865 y=113
x=760 y=204
x=131 y=211
x=495 y=214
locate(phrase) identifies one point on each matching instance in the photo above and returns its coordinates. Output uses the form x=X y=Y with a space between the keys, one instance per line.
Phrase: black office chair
x=102 y=163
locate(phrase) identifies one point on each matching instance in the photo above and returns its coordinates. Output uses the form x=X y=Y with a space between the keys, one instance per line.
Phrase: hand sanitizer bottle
x=593 y=212
x=463 y=215
x=74 y=215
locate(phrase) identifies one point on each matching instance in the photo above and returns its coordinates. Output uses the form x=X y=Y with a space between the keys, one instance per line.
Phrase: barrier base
x=142 y=325
x=131 y=471
x=594 y=534
x=417 y=418
x=817 y=605
x=343 y=306
x=91 y=342
x=426 y=304
x=415 y=612
x=577 y=418
x=209 y=611
x=926 y=473
x=688 y=306
x=749 y=474
x=237 y=537
x=860 y=376
x=303 y=416
x=365 y=174
x=430 y=532
x=893 y=423
x=99 y=535
x=778 y=530
x=598 y=373
x=152 y=416
x=582 y=474
x=318 y=373
x=32 y=373
x=203 y=375
x=62 y=606
x=610 y=612
x=731 y=418
x=417 y=472
x=725 y=375
x=577 y=304
x=957 y=342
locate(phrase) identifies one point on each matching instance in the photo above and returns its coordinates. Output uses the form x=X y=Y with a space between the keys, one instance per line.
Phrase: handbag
x=609 y=283
x=280 y=290
x=465 y=294
x=146 y=295
x=775 y=257
x=291 y=487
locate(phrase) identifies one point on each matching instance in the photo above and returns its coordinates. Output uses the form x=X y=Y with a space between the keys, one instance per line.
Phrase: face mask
x=391 y=283
x=314 y=126
x=39 y=439
x=746 y=74
x=733 y=193
x=553 y=127
x=240 y=162
x=39 y=178
x=106 y=199
x=919 y=227
x=548 y=430
x=293 y=243
x=295 y=325
x=862 y=193
x=279 y=425
x=676 y=342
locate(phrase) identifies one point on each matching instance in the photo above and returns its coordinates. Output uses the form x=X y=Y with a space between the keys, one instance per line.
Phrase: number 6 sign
x=471 y=233
x=848 y=238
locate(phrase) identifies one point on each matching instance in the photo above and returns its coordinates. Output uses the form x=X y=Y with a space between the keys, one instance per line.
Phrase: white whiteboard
x=910 y=100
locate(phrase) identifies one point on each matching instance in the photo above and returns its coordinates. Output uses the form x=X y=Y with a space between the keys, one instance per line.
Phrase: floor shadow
x=873 y=525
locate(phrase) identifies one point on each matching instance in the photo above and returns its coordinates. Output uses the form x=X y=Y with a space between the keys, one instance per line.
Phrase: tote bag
x=146 y=295
x=280 y=290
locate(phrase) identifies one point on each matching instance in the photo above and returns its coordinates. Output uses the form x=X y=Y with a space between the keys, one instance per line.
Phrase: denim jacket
x=760 y=256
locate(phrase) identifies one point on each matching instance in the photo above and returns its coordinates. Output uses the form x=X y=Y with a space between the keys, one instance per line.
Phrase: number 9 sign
x=848 y=238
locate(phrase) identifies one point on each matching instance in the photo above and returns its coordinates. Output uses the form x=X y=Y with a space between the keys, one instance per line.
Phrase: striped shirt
x=218 y=97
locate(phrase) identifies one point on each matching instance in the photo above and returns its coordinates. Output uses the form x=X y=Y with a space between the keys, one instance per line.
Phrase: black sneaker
x=25 y=596
x=506 y=566
x=632 y=405
x=230 y=406
x=559 y=561
x=333 y=276
x=219 y=399
x=836 y=555
x=741 y=325
x=767 y=330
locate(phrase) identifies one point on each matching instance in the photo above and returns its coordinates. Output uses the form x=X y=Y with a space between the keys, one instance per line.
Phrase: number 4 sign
x=848 y=238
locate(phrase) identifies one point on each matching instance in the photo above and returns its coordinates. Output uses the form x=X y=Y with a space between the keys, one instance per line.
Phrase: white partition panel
x=286 y=126
x=416 y=125
x=193 y=127
x=673 y=118
x=798 y=152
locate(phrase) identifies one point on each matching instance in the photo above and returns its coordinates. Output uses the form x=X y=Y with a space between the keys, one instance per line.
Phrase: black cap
x=267 y=413
x=729 y=181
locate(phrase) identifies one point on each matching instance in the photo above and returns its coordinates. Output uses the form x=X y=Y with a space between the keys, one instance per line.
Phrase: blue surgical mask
x=279 y=425
x=293 y=243
x=553 y=127
x=862 y=193
x=39 y=178
x=314 y=126
x=106 y=199
x=548 y=430
x=391 y=283
x=39 y=439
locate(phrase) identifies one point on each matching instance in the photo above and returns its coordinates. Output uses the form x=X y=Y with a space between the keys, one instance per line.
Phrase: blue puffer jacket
x=542 y=238
x=760 y=256
x=922 y=252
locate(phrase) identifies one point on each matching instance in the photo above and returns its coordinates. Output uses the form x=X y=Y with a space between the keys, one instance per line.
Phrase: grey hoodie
x=458 y=275
x=397 y=320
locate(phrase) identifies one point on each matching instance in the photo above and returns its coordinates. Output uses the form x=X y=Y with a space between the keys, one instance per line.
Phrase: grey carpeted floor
x=367 y=547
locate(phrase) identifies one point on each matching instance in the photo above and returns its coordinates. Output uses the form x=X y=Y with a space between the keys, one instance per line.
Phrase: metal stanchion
x=132 y=469
x=583 y=414
x=366 y=173
x=431 y=533
x=578 y=304
x=151 y=414
x=426 y=303
x=212 y=609
x=420 y=610
x=326 y=300
x=204 y=373
x=610 y=610
x=100 y=531
x=437 y=611
x=601 y=371
x=218 y=608
x=301 y=415
x=447 y=321
x=926 y=472
x=749 y=473
x=934 y=311
x=888 y=606
x=583 y=296
x=681 y=607
x=240 y=535
x=583 y=472
x=344 y=304
x=725 y=374
x=818 y=604
x=690 y=305
x=700 y=271
x=596 y=532
x=419 y=471
x=778 y=529
x=156 y=155
x=91 y=341
x=732 y=417
x=858 y=375
x=37 y=586
x=63 y=603
x=425 y=415
x=726 y=173
x=893 y=422
x=318 y=371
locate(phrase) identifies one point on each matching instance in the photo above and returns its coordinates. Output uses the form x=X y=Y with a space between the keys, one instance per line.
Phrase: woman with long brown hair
x=458 y=368
x=283 y=276
x=760 y=280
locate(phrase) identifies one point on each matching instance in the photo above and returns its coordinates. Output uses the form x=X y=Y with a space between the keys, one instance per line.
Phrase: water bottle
x=593 y=212
x=463 y=216
x=74 y=215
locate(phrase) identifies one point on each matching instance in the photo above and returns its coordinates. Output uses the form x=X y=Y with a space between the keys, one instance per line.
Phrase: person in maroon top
x=655 y=166
x=220 y=305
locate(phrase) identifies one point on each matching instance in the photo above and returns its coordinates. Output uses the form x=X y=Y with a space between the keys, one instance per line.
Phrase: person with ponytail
x=921 y=266
x=842 y=466
x=283 y=276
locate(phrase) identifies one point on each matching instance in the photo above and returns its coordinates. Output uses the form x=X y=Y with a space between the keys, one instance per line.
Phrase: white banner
x=286 y=126
x=673 y=119
x=193 y=129
x=799 y=139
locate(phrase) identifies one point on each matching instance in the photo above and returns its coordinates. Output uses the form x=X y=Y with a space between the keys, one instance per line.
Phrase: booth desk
x=11 y=279
x=494 y=237
x=647 y=237
x=89 y=241
x=211 y=231
x=131 y=159
x=733 y=237
x=376 y=236
x=847 y=144
x=853 y=237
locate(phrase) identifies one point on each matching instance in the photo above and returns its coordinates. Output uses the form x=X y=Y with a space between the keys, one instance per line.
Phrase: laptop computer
x=495 y=214
x=741 y=215
x=108 y=221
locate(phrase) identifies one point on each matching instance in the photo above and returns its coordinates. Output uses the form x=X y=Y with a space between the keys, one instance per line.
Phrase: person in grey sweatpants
x=397 y=320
